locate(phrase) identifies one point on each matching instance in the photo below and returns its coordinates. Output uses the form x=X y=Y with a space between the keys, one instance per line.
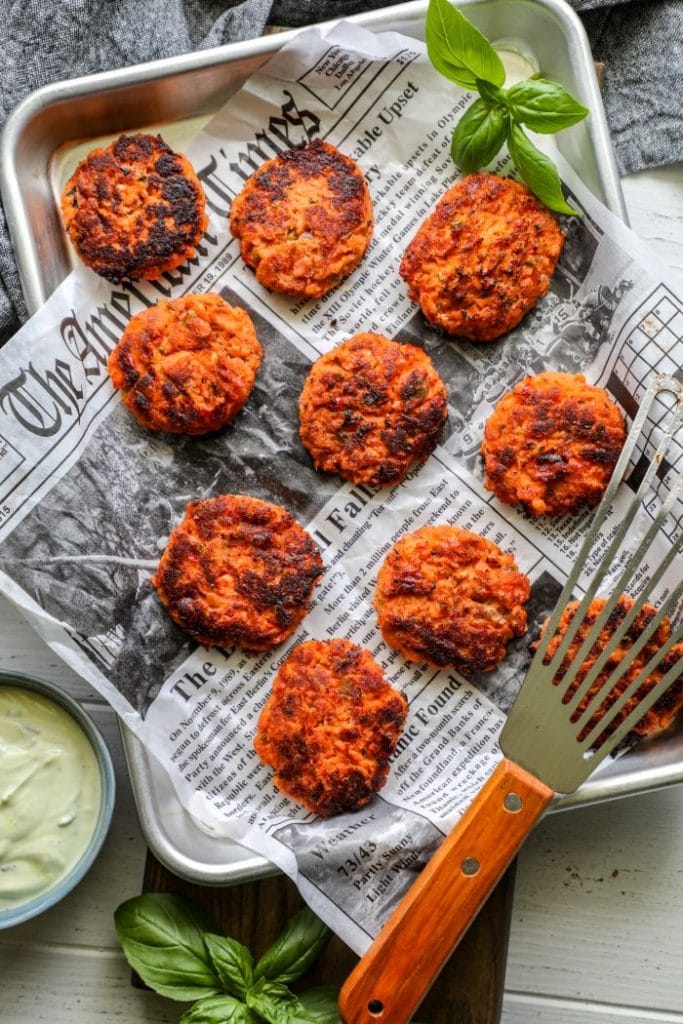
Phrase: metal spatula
x=549 y=746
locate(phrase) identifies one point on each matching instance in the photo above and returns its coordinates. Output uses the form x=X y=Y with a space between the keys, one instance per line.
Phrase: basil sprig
x=233 y=964
x=175 y=948
x=458 y=50
x=538 y=171
x=295 y=948
x=462 y=54
x=162 y=937
x=478 y=136
x=219 y=1010
x=545 y=107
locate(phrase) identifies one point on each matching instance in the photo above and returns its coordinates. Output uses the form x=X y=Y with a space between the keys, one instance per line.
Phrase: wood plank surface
x=523 y=1009
x=599 y=908
x=22 y=650
x=654 y=200
x=56 y=986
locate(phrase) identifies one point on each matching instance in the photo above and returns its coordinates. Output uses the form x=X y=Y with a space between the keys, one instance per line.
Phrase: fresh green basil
x=162 y=937
x=538 y=171
x=232 y=962
x=478 y=136
x=273 y=1001
x=277 y=1005
x=320 y=1005
x=295 y=948
x=172 y=971
x=174 y=947
x=457 y=49
x=462 y=54
x=492 y=95
x=218 y=1010
x=544 y=106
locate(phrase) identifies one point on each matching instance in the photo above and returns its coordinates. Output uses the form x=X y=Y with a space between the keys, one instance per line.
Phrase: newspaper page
x=88 y=498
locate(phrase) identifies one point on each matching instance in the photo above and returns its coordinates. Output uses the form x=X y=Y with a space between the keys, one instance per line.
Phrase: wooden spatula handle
x=393 y=977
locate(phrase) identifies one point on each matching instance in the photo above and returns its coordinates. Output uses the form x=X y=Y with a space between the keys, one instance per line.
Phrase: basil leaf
x=218 y=1010
x=232 y=962
x=157 y=916
x=273 y=1001
x=171 y=971
x=276 y=1004
x=491 y=94
x=538 y=171
x=478 y=136
x=457 y=49
x=162 y=939
x=320 y=1005
x=544 y=106
x=295 y=948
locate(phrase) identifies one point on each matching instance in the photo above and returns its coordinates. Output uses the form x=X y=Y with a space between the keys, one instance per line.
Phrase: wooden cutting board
x=468 y=991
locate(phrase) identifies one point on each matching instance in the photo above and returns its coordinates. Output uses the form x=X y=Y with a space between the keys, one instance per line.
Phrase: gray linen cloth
x=640 y=42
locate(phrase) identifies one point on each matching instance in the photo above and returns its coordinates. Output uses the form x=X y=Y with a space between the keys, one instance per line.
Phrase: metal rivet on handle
x=513 y=802
x=469 y=866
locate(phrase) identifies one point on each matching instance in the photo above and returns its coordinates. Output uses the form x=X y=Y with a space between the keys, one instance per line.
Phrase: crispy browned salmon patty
x=663 y=712
x=186 y=365
x=446 y=596
x=304 y=220
x=330 y=726
x=134 y=209
x=552 y=443
x=370 y=409
x=238 y=571
x=483 y=258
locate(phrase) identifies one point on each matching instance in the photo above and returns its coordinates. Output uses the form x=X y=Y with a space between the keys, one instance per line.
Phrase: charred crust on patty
x=551 y=444
x=483 y=258
x=662 y=712
x=330 y=726
x=186 y=365
x=238 y=571
x=134 y=209
x=304 y=220
x=448 y=597
x=371 y=409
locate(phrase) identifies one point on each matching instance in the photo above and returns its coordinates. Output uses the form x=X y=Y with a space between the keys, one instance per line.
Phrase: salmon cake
x=663 y=711
x=238 y=571
x=134 y=209
x=450 y=598
x=304 y=220
x=551 y=444
x=371 y=409
x=186 y=365
x=330 y=726
x=483 y=258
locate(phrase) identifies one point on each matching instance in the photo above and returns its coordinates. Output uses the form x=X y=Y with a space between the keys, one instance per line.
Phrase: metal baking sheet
x=52 y=129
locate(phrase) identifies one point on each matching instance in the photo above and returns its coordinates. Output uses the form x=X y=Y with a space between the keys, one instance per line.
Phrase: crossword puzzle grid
x=655 y=344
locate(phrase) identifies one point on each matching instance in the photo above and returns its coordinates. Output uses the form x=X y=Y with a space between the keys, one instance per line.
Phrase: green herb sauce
x=50 y=793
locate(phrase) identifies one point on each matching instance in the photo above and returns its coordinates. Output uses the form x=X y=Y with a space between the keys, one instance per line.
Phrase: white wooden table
x=597 y=933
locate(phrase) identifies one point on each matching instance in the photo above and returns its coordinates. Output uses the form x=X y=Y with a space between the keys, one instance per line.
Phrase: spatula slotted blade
x=543 y=732
x=565 y=721
x=540 y=736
